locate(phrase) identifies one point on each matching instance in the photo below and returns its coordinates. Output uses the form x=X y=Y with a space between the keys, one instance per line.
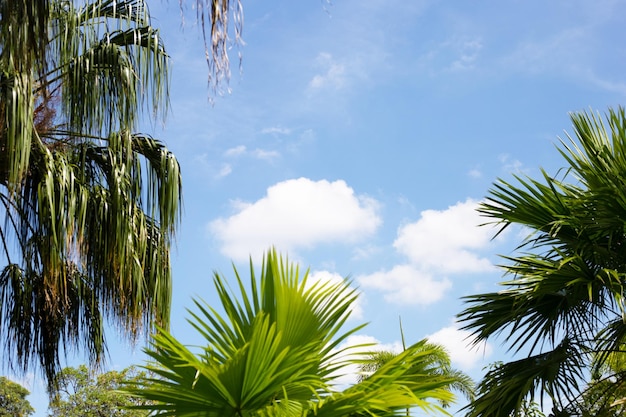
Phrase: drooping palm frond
x=23 y=45
x=109 y=62
x=274 y=351
x=88 y=221
x=556 y=373
x=570 y=279
x=222 y=26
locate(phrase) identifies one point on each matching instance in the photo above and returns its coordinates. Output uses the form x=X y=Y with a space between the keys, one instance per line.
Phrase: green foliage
x=565 y=302
x=89 y=207
x=275 y=351
x=81 y=393
x=435 y=364
x=13 y=402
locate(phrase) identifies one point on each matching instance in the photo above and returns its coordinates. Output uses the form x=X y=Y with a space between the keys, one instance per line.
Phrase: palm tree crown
x=565 y=302
x=276 y=350
x=90 y=206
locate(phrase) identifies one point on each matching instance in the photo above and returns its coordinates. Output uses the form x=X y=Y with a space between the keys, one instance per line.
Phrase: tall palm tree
x=564 y=305
x=89 y=206
x=275 y=351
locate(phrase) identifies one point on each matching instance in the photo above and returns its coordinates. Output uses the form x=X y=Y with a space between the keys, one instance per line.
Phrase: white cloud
x=406 y=284
x=511 y=165
x=446 y=241
x=224 y=171
x=555 y=52
x=332 y=76
x=458 y=343
x=440 y=244
x=258 y=153
x=468 y=53
x=475 y=173
x=327 y=277
x=236 y=151
x=263 y=154
x=276 y=130
x=297 y=213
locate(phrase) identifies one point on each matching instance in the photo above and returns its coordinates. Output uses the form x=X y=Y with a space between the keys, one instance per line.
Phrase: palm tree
x=564 y=305
x=436 y=363
x=275 y=351
x=89 y=206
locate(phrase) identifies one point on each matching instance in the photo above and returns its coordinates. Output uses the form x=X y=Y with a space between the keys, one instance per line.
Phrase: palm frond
x=570 y=279
x=90 y=209
x=274 y=350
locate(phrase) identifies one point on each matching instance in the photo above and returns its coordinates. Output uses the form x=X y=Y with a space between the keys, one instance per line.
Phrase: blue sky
x=359 y=137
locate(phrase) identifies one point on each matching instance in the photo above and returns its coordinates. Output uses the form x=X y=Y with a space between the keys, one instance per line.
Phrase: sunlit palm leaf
x=274 y=351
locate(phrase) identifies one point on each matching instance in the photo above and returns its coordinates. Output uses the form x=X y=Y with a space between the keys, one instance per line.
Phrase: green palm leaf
x=274 y=351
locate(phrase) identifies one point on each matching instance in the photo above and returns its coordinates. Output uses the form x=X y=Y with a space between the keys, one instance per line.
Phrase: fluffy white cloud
x=334 y=278
x=459 y=344
x=446 y=241
x=295 y=214
x=439 y=244
x=405 y=284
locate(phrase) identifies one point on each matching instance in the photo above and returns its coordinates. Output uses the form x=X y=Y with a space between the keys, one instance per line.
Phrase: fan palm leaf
x=566 y=299
x=274 y=350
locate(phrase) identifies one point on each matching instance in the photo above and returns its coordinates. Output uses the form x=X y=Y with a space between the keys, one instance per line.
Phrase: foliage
x=565 y=302
x=275 y=351
x=80 y=393
x=436 y=363
x=89 y=206
x=13 y=402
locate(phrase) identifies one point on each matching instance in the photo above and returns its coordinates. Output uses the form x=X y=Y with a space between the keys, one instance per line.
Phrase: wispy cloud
x=236 y=151
x=224 y=171
x=332 y=73
x=556 y=52
x=475 y=173
x=467 y=53
x=511 y=165
x=241 y=150
x=264 y=154
x=276 y=130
